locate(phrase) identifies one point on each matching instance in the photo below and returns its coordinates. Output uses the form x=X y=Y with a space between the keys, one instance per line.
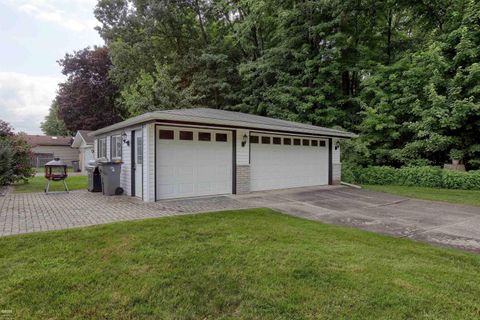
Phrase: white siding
x=95 y=150
x=335 y=153
x=243 y=156
x=126 y=173
x=149 y=162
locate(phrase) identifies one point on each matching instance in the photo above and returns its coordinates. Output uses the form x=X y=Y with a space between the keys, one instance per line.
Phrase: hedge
x=432 y=177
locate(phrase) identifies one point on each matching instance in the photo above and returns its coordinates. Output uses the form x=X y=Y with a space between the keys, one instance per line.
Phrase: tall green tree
x=53 y=125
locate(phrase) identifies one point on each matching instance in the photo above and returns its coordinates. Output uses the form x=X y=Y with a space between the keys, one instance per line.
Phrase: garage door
x=278 y=162
x=193 y=162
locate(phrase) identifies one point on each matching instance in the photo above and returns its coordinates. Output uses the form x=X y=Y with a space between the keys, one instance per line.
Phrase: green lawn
x=37 y=184
x=470 y=197
x=251 y=264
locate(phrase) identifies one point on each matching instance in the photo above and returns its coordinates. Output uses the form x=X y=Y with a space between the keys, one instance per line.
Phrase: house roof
x=82 y=135
x=38 y=140
x=228 y=118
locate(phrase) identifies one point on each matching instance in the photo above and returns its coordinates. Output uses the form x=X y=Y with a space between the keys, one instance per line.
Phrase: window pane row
x=189 y=136
x=287 y=141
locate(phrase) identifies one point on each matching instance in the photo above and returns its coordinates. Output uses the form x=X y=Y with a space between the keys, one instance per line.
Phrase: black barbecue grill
x=55 y=170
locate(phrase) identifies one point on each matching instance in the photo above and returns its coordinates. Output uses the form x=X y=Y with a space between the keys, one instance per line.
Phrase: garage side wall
x=149 y=162
x=243 y=162
x=336 y=163
x=126 y=173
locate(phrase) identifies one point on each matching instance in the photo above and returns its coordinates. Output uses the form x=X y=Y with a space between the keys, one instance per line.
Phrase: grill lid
x=56 y=163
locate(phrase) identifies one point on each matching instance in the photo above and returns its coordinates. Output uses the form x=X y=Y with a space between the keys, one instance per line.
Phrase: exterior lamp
x=337 y=145
x=244 y=140
x=124 y=138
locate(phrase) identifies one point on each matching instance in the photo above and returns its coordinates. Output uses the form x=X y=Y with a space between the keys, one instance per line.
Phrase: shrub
x=14 y=156
x=426 y=176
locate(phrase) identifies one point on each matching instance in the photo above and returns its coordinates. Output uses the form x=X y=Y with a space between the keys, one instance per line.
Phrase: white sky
x=34 y=34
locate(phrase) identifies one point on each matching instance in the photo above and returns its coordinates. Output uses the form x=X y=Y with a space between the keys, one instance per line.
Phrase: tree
x=14 y=155
x=86 y=100
x=403 y=74
x=53 y=125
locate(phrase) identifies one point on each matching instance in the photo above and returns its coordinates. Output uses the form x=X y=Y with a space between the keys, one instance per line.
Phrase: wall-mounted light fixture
x=244 y=140
x=337 y=145
x=124 y=138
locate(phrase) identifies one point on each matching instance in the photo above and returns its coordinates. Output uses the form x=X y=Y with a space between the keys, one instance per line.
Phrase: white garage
x=279 y=162
x=205 y=152
x=193 y=162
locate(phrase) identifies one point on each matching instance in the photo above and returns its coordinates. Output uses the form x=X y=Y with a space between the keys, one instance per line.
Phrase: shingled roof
x=38 y=140
x=228 y=118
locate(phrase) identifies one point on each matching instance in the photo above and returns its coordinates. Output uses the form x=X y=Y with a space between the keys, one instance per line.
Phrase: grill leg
x=48 y=186
x=65 y=184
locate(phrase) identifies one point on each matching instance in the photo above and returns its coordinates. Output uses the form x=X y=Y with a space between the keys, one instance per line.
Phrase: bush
x=14 y=156
x=426 y=176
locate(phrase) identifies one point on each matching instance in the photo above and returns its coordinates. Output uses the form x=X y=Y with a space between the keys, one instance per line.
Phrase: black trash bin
x=94 y=177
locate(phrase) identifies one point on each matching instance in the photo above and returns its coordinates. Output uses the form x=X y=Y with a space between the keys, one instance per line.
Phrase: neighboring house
x=199 y=152
x=45 y=148
x=84 y=143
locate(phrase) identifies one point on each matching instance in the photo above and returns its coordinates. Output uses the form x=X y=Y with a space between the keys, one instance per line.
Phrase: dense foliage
x=53 y=125
x=14 y=156
x=86 y=100
x=404 y=74
x=431 y=177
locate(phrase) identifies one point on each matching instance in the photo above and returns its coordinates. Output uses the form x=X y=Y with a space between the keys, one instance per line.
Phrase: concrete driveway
x=428 y=221
x=434 y=222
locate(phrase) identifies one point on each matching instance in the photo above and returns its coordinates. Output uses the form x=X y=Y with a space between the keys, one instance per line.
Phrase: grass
x=250 y=264
x=37 y=184
x=470 y=197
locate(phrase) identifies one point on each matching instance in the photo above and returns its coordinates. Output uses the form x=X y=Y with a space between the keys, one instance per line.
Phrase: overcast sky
x=34 y=34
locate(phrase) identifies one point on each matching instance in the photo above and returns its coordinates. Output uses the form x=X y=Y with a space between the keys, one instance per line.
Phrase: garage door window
x=296 y=142
x=277 y=140
x=314 y=143
x=287 y=141
x=322 y=143
x=166 y=134
x=204 y=136
x=306 y=142
x=221 y=137
x=186 y=135
x=254 y=139
x=265 y=140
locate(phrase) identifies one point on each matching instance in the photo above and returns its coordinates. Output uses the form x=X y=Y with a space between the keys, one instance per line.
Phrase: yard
x=37 y=184
x=251 y=264
x=470 y=197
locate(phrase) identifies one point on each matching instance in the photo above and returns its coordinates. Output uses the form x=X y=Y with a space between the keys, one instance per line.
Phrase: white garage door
x=193 y=162
x=278 y=162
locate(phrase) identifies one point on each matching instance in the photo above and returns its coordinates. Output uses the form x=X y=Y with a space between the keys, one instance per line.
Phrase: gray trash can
x=110 y=173
x=94 y=179
x=76 y=165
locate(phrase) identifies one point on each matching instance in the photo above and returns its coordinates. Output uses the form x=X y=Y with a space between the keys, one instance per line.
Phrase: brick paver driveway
x=434 y=222
x=30 y=212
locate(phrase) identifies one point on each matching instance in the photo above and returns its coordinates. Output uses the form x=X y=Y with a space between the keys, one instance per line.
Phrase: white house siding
x=95 y=146
x=149 y=162
x=85 y=156
x=242 y=152
x=126 y=173
x=336 y=163
x=67 y=154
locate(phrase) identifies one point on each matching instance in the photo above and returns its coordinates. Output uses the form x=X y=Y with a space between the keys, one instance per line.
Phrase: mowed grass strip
x=250 y=264
x=37 y=184
x=469 y=197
